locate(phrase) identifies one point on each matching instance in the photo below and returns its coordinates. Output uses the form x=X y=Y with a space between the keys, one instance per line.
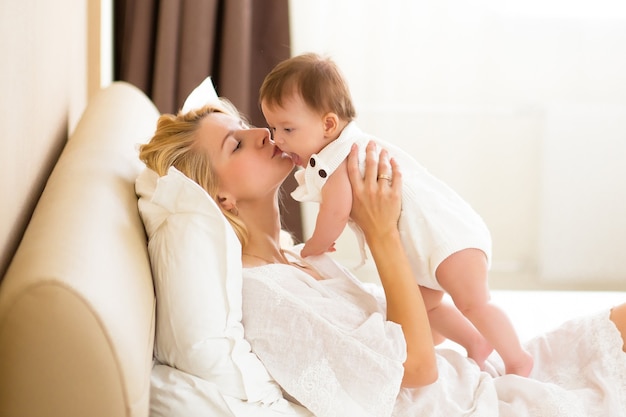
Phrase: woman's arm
x=376 y=209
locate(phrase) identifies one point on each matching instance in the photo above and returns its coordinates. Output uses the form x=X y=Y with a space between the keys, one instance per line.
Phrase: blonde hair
x=174 y=145
x=316 y=79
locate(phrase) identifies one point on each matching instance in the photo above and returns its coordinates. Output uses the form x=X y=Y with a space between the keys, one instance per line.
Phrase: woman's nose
x=260 y=135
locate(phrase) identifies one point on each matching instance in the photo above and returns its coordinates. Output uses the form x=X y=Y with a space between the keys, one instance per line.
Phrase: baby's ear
x=331 y=124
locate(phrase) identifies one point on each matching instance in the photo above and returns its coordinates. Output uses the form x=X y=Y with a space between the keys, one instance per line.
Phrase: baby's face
x=295 y=128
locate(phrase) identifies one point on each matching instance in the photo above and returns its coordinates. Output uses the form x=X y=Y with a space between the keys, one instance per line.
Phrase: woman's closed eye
x=233 y=144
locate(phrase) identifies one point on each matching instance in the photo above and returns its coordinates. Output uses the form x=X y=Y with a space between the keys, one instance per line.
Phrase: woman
x=338 y=348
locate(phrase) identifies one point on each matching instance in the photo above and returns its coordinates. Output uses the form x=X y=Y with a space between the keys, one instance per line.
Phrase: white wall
x=519 y=105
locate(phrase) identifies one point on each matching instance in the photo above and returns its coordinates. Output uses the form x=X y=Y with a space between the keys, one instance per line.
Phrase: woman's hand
x=376 y=209
x=377 y=196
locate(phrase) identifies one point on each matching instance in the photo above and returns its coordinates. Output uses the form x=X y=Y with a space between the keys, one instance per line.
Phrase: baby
x=309 y=110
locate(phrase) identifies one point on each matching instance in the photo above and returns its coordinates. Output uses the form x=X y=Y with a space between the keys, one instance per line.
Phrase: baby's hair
x=316 y=79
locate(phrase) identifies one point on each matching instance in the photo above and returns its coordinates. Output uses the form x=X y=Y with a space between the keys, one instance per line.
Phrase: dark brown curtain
x=167 y=47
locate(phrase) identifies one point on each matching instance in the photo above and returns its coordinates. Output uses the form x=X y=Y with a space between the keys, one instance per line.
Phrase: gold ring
x=384 y=177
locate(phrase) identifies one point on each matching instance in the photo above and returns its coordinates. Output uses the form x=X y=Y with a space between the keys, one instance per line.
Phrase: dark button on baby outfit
x=322 y=173
x=312 y=162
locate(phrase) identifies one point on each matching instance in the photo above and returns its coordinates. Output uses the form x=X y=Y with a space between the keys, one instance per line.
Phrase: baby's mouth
x=295 y=158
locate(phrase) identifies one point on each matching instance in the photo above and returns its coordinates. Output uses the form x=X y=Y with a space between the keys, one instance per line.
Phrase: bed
x=85 y=327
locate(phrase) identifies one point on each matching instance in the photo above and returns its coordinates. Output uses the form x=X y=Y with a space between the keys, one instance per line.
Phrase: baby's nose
x=277 y=139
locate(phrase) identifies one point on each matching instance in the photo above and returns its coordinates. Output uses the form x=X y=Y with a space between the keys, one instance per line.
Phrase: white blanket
x=327 y=344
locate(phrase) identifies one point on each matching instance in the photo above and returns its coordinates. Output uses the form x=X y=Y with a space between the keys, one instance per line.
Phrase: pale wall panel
x=583 y=212
x=43 y=84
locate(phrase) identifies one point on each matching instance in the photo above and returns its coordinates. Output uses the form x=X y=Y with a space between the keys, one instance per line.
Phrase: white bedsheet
x=580 y=371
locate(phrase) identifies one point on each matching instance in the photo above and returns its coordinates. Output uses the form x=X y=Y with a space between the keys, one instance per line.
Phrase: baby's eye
x=288 y=129
x=238 y=146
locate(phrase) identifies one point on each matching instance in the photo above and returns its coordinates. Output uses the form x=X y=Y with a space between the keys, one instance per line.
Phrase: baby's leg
x=618 y=316
x=464 y=276
x=446 y=321
x=432 y=300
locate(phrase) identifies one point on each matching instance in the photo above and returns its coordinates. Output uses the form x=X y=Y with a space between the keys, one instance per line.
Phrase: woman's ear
x=331 y=124
x=227 y=202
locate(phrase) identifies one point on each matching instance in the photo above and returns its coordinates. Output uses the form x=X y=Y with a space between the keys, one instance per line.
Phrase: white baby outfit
x=435 y=221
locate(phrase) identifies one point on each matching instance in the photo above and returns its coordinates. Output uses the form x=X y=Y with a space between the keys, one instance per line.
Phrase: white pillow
x=202 y=95
x=197 y=272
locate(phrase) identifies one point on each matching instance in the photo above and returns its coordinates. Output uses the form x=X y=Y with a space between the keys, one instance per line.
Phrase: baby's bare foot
x=522 y=367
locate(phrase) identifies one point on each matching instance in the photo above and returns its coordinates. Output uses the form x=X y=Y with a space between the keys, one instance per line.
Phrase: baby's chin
x=296 y=159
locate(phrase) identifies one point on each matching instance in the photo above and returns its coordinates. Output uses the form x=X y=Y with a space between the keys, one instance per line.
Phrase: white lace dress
x=329 y=347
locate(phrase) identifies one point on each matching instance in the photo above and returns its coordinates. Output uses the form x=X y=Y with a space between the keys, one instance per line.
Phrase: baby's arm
x=333 y=214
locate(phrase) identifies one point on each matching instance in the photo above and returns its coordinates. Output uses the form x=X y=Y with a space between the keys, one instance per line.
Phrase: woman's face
x=247 y=164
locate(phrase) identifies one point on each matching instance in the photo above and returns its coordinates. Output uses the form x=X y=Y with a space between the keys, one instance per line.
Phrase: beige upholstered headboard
x=51 y=65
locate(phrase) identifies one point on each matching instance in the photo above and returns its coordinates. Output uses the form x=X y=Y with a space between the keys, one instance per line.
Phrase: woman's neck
x=263 y=224
x=265 y=246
